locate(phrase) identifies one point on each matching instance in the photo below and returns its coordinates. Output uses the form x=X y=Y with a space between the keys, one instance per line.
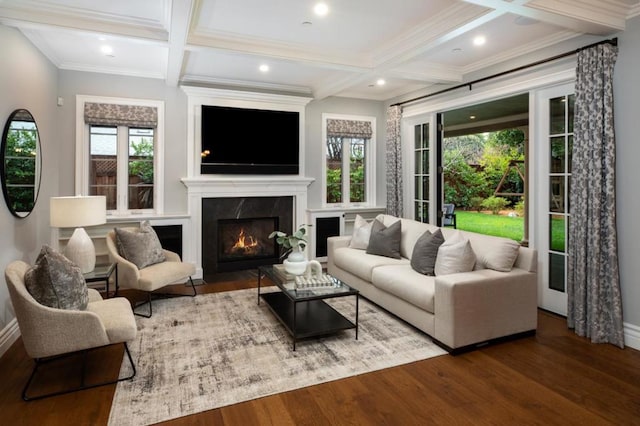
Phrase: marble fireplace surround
x=204 y=187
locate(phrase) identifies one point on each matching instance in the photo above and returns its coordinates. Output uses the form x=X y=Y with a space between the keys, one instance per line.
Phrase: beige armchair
x=48 y=333
x=153 y=277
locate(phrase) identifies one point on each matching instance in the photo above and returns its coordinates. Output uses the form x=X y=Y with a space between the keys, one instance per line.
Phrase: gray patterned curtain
x=593 y=281
x=394 y=162
x=121 y=115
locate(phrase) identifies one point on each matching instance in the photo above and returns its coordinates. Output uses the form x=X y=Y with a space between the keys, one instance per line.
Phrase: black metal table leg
x=295 y=315
x=259 y=277
x=357 y=306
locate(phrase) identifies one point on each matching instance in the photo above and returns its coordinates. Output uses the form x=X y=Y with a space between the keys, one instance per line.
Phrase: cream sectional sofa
x=460 y=311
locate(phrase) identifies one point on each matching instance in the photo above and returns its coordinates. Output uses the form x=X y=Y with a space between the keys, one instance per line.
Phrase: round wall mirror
x=21 y=162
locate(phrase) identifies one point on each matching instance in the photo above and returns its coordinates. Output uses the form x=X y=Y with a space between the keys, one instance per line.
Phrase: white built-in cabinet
x=332 y=222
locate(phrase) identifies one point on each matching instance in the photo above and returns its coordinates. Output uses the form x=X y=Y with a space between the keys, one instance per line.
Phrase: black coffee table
x=303 y=312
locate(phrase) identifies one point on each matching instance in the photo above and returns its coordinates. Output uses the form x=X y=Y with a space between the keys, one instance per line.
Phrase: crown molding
x=191 y=79
x=231 y=42
x=634 y=11
x=54 y=16
x=433 y=73
x=129 y=72
x=245 y=96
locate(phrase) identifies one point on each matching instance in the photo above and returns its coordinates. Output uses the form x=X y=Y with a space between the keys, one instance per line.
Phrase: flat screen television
x=249 y=141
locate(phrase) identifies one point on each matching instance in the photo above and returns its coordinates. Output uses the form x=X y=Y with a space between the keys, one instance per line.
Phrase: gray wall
x=27 y=80
x=626 y=111
x=314 y=154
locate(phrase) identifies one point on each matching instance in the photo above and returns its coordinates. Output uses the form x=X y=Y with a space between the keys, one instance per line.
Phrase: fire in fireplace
x=245 y=243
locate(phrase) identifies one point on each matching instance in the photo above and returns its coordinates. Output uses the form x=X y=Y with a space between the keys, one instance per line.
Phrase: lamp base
x=81 y=251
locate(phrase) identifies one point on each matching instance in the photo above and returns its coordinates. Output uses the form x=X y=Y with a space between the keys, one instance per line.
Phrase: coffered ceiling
x=410 y=44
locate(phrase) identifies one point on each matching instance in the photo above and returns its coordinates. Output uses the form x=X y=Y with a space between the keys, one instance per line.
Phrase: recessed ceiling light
x=479 y=40
x=106 y=49
x=321 y=9
x=381 y=82
x=264 y=68
x=102 y=38
x=472 y=117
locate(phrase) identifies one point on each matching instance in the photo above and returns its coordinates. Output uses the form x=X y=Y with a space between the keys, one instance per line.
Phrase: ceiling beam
x=181 y=14
x=71 y=20
x=583 y=16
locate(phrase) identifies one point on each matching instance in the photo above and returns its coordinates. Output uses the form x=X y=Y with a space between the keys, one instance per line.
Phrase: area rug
x=197 y=354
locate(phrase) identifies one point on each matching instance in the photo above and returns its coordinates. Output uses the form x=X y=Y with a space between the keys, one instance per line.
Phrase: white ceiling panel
x=351 y=26
x=203 y=65
x=127 y=57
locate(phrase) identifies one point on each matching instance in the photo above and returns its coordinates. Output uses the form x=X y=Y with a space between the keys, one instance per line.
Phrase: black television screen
x=249 y=141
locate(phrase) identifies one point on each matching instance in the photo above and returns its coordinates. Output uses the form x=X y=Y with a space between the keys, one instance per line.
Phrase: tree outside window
x=20 y=164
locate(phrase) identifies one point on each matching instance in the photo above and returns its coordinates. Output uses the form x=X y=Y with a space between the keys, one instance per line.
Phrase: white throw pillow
x=361 y=233
x=502 y=257
x=455 y=255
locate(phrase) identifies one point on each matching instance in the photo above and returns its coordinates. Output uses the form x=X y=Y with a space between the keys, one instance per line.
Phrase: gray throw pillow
x=57 y=282
x=140 y=246
x=385 y=241
x=425 y=251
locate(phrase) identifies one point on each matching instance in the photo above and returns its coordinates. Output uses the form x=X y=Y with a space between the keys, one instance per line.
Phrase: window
x=421 y=172
x=349 y=151
x=120 y=153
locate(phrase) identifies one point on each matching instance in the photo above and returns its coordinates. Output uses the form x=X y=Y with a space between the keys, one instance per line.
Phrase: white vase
x=295 y=263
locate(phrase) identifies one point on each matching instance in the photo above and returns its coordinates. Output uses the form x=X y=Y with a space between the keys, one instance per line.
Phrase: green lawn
x=505 y=226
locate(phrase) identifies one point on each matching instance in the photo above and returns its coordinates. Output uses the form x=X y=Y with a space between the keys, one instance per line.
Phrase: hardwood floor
x=552 y=378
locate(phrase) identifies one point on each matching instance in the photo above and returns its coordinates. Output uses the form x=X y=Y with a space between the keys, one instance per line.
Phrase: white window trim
x=370 y=161
x=82 y=147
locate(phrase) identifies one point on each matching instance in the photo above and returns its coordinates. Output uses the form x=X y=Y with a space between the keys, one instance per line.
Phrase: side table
x=103 y=273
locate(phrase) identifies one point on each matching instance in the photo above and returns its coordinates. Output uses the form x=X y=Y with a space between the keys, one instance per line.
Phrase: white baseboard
x=632 y=336
x=8 y=335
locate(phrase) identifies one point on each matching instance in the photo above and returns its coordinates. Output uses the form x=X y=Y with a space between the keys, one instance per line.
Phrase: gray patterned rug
x=197 y=354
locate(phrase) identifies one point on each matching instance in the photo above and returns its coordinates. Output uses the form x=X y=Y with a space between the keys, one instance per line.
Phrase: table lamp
x=77 y=212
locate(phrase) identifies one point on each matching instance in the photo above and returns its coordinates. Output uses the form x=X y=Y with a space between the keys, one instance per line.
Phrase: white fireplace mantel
x=212 y=186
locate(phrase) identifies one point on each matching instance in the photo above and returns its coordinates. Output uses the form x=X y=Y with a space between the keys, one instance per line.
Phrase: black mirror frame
x=38 y=178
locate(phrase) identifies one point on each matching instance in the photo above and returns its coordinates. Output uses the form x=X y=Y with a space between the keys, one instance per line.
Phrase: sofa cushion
x=385 y=240
x=405 y=283
x=57 y=282
x=361 y=264
x=425 y=251
x=455 y=255
x=498 y=253
x=361 y=233
x=411 y=232
x=140 y=246
x=164 y=273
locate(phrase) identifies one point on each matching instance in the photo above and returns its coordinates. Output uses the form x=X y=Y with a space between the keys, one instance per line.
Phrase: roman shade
x=120 y=115
x=349 y=129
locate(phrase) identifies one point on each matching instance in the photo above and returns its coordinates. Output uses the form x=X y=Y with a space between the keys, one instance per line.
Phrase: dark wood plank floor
x=553 y=378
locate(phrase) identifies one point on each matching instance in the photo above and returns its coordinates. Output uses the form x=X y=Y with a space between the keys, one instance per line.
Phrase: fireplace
x=235 y=231
x=245 y=243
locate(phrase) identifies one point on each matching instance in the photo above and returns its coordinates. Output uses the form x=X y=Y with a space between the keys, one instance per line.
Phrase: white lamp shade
x=72 y=212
